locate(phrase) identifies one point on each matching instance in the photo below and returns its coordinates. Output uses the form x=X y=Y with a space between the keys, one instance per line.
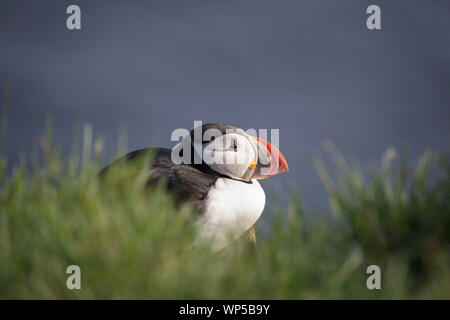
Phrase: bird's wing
x=186 y=182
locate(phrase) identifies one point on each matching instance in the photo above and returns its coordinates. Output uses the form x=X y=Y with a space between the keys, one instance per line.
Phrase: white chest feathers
x=232 y=208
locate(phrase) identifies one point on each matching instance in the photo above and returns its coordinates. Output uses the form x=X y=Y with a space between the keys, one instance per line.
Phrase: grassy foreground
x=131 y=243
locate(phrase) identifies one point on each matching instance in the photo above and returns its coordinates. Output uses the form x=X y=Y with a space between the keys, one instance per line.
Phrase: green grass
x=134 y=244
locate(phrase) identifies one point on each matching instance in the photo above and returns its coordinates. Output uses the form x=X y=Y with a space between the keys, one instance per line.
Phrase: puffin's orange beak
x=270 y=160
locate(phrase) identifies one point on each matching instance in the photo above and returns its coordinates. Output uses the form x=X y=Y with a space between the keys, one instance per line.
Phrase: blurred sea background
x=308 y=68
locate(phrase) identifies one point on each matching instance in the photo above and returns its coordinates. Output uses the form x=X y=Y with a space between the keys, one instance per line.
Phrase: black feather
x=187 y=182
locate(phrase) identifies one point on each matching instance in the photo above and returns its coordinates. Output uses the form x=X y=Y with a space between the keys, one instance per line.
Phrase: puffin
x=218 y=175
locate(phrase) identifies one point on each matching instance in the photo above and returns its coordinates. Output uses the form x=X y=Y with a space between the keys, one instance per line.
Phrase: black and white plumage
x=223 y=187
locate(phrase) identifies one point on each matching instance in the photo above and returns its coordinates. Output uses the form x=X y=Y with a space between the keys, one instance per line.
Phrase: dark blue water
x=309 y=68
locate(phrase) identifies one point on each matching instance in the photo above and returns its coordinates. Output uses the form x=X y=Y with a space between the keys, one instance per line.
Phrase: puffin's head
x=231 y=152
